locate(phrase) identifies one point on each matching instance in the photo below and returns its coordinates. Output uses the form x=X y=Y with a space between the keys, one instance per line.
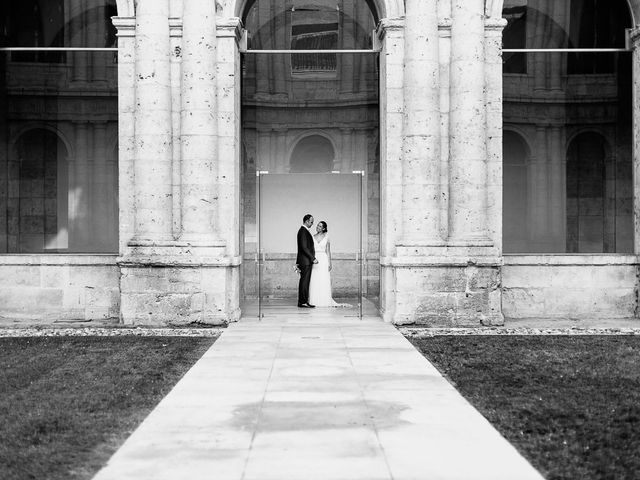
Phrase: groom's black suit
x=306 y=257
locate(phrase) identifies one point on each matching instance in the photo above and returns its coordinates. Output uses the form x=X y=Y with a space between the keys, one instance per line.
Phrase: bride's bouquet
x=296 y=269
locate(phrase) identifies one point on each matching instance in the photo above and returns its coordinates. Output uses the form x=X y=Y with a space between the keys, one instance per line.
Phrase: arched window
x=312 y=154
x=553 y=93
x=58 y=196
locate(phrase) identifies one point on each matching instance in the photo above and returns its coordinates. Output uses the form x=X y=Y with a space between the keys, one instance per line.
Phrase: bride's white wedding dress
x=320 y=285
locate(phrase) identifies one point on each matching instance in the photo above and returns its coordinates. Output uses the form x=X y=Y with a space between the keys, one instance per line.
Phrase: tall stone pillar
x=80 y=185
x=538 y=190
x=635 y=42
x=468 y=153
x=421 y=136
x=494 y=99
x=557 y=191
x=198 y=137
x=391 y=35
x=153 y=147
x=77 y=34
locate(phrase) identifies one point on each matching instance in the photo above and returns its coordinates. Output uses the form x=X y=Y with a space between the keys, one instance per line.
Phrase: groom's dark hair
x=306 y=217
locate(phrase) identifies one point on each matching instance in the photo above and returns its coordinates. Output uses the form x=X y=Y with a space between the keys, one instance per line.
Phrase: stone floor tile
x=315 y=397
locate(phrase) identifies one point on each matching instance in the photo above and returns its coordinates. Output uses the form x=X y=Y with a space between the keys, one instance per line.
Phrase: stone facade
x=436 y=221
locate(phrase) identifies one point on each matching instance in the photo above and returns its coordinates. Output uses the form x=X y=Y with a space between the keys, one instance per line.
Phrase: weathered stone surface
x=555 y=290
x=54 y=293
x=439 y=296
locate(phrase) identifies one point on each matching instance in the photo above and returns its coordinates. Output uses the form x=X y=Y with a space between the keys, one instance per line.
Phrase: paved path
x=315 y=397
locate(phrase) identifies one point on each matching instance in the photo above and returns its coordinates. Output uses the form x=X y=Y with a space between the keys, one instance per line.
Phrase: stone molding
x=175 y=27
x=77 y=259
x=570 y=260
x=125 y=26
x=227 y=27
x=230 y=27
x=389 y=25
x=440 y=261
x=444 y=27
x=177 y=261
x=495 y=25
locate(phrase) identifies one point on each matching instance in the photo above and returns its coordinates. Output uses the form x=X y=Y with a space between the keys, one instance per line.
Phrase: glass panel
x=332 y=199
x=546 y=24
x=55 y=23
x=567 y=153
x=310 y=25
x=309 y=126
x=565 y=24
x=58 y=154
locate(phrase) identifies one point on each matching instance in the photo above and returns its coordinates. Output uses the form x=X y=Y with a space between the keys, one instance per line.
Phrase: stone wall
x=279 y=280
x=59 y=288
x=570 y=287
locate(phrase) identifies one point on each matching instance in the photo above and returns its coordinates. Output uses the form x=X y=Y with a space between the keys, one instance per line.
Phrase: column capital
x=494 y=26
x=389 y=25
x=230 y=27
x=125 y=26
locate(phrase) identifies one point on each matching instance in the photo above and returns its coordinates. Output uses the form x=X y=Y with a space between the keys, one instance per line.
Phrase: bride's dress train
x=320 y=285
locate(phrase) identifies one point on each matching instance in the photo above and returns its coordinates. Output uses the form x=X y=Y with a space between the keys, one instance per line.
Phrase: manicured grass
x=570 y=404
x=67 y=403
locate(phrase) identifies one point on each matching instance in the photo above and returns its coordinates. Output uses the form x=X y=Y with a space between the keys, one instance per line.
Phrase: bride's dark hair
x=324 y=226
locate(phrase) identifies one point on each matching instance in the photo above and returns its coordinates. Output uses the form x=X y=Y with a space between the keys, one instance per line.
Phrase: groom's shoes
x=306 y=305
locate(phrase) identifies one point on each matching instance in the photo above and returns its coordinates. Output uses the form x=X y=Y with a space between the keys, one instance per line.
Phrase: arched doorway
x=310 y=106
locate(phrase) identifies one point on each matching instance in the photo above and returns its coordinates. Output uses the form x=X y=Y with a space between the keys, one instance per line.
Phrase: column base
x=443 y=291
x=178 y=290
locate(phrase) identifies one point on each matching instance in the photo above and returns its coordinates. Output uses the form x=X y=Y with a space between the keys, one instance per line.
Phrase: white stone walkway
x=315 y=397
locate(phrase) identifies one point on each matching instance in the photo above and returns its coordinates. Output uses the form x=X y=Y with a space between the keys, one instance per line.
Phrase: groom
x=306 y=258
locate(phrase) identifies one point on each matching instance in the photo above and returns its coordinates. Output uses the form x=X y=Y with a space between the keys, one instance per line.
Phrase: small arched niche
x=312 y=154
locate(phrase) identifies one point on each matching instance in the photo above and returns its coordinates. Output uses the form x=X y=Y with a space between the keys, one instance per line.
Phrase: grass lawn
x=67 y=403
x=570 y=404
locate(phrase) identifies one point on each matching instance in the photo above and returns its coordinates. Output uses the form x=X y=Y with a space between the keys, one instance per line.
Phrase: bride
x=320 y=285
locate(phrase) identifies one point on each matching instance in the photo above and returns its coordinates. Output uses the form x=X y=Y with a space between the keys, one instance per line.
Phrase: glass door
x=335 y=201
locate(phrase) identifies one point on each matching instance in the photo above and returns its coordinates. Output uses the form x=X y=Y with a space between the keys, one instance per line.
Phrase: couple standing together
x=314 y=264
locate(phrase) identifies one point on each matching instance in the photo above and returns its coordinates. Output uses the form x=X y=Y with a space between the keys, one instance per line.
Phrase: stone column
x=263 y=152
x=77 y=34
x=468 y=154
x=421 y=136
x=198 y=123
x=557 y=191
x=101 y=212
x=126 y=129
x=79 y=184
x=391 y=35
x=93 y=38
x=635 y=42
x=539 y=188
x=444 y=27
x=281 y=148
x=494 y=99
x=153 y=148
